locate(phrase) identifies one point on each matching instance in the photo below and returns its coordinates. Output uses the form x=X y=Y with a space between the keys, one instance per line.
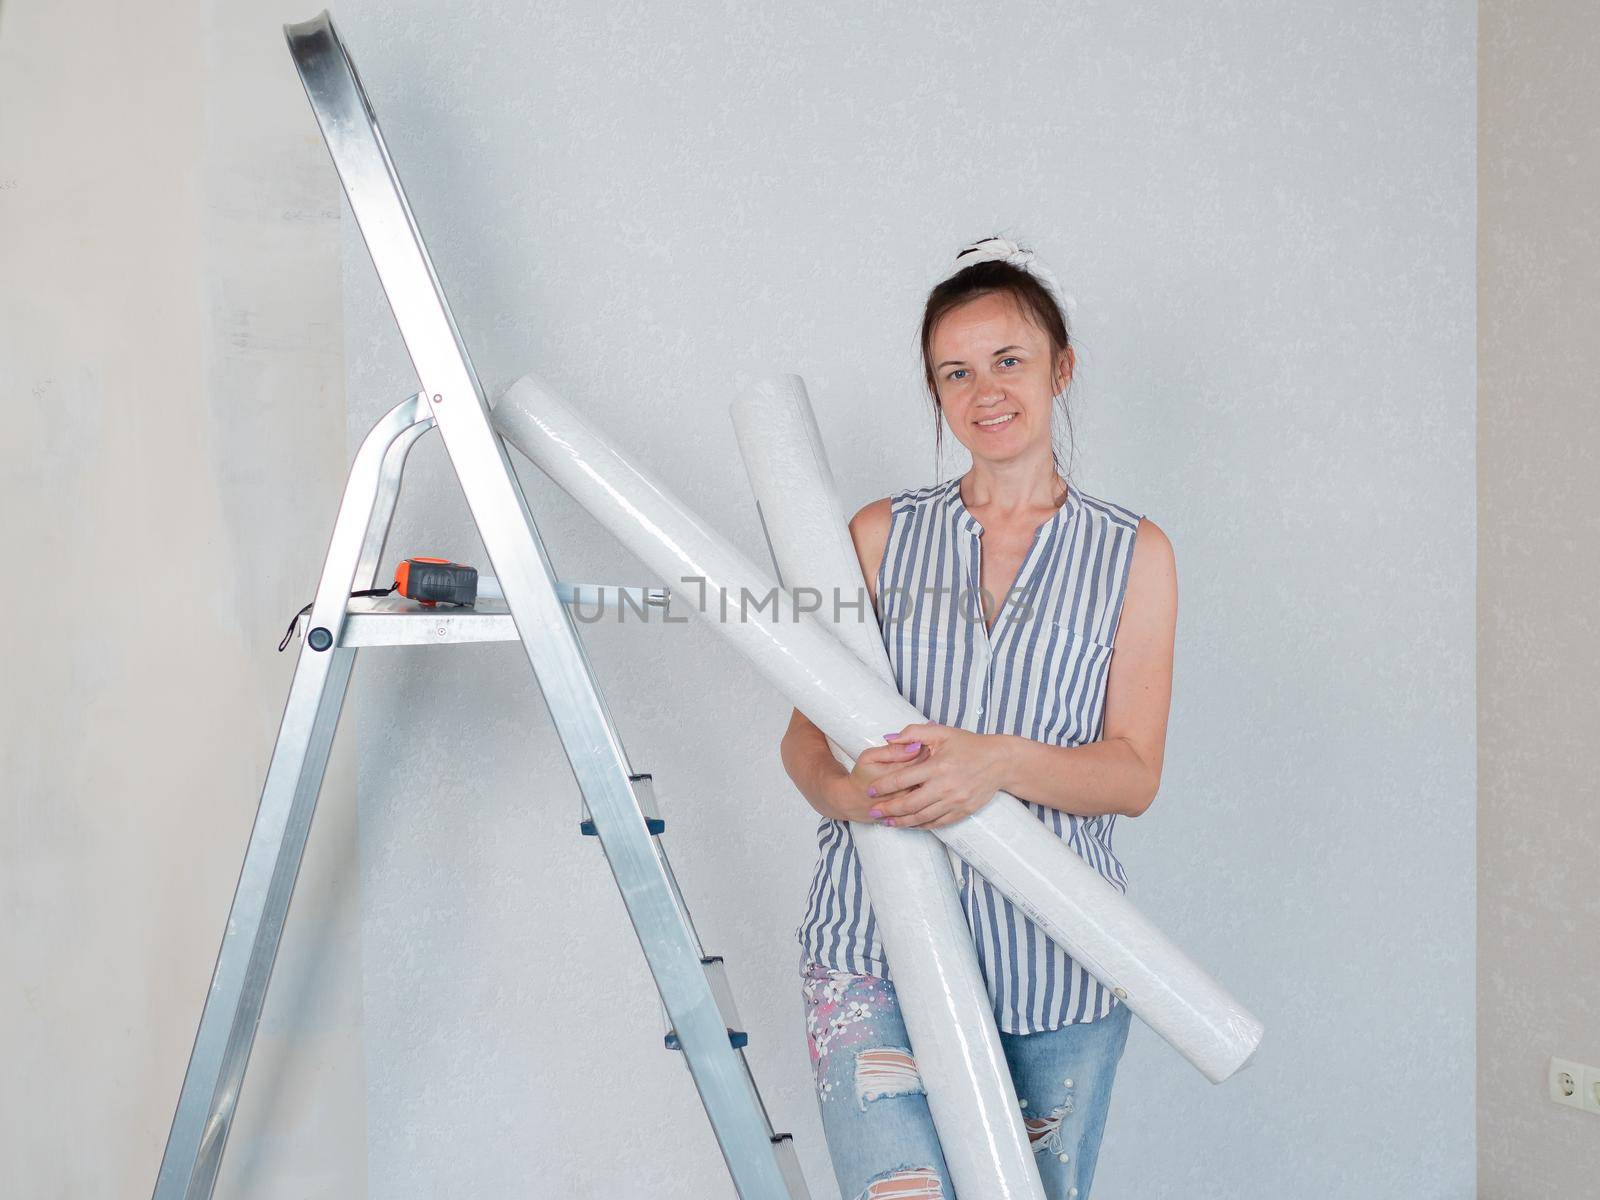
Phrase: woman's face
x=995 y=378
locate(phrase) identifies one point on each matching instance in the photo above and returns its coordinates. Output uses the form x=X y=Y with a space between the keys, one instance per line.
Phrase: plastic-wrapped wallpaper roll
x=1037 y=871
x=937 y=977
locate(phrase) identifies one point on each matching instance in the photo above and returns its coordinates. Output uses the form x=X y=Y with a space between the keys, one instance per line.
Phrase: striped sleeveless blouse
x=1041 y=674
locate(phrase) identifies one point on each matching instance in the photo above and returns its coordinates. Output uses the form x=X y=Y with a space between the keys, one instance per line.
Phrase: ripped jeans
x=875 y=1112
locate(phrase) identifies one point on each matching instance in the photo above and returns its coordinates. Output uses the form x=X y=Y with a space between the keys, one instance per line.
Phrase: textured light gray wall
x=1538 y=650
x=173 y=383
x=1266 y=214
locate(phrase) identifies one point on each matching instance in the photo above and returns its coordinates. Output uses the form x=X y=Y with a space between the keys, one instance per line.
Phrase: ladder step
x=737 y=1038
x=395 y=621
x=717 y=977
x=645 y=792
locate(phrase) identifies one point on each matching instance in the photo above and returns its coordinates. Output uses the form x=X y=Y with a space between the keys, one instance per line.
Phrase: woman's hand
x=955 y=773
x=848 y=793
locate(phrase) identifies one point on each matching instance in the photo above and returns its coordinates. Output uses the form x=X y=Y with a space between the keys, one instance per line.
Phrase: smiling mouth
x=996 y=422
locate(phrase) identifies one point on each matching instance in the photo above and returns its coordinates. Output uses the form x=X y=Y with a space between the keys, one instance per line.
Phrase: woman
x=1001 y=594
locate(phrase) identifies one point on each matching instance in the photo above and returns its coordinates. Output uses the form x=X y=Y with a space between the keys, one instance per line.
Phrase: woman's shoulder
x=873 y=523
x=869 y=530
x=1115 y=516
x=878 y=514
x=928 y=492
x=872 y=520
x=907 y=498
x=1152 y=552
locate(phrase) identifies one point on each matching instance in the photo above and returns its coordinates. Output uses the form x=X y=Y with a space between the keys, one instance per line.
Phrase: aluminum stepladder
x=523 y=602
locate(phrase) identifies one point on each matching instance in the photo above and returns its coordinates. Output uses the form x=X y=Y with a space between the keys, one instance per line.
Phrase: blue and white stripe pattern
x=1040 y=673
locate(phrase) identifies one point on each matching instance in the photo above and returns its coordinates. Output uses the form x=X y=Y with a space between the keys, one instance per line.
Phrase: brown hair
x=1037 y=305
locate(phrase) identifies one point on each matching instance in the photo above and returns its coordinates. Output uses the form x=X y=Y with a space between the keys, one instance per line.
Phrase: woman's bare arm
x=1139 y=686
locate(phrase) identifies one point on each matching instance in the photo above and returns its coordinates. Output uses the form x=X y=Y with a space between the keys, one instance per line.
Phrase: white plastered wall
x=171 y=363
x=1266 y=215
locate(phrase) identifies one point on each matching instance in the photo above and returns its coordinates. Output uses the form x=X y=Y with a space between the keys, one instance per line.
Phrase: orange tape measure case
x=432 y=581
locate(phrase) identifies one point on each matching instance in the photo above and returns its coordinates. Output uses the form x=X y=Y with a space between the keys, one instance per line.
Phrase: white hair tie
x=998 y=249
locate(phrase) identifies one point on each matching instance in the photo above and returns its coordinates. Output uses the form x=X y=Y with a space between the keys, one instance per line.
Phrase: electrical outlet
x=1567 y=1082
x=1575 y=1085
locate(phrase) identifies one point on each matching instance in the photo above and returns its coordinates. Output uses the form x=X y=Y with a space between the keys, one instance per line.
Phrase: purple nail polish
x=875 y=813
x=889 y=821
x=872 y=791
x=913 y=746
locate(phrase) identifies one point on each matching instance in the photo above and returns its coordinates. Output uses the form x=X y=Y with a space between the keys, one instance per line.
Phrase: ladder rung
x=737 y=1038
x=644 y=791
x=655 y=825
x=717 y=977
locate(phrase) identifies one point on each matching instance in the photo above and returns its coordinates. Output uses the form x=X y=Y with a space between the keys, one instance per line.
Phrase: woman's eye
x=1010 y=358
x=957 y=371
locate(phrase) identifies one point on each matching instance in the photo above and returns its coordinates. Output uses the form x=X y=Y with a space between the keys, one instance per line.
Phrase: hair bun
x=999 y=249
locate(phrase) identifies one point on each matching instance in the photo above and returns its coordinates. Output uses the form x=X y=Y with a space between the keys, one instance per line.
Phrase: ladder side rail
x=221 y=1050
x=677 y=895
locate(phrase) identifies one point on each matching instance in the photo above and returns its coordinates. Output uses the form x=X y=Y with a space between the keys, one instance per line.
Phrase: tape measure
x=431 y=581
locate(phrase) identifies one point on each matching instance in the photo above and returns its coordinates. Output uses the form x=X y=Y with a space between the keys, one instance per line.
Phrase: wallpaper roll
x=924 y=932
x=1037 y=871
